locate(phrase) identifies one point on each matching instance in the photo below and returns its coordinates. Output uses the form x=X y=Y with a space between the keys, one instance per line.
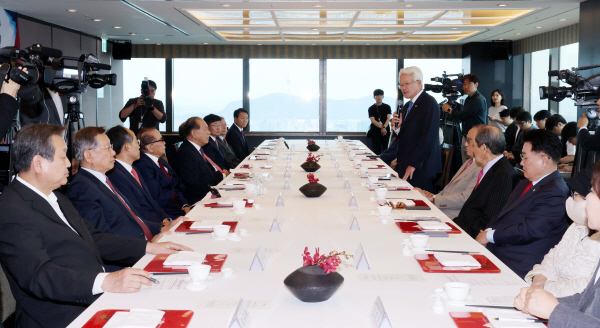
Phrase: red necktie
x=527 y=188
x=135 y=175
x=211 y=162
x=147 y=232
x=479 y=178
x=216 y=143
x=164 y=169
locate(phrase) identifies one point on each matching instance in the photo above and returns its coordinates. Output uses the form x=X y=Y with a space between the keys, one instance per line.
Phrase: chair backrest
x=7 y=301
x=176 y=146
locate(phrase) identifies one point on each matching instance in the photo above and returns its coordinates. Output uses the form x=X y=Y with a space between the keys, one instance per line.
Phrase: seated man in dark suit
x=494 y=183
x=232 y=160
x=211 y=149
x=164 y=186
x=97 y=199
x=53 y=258
x=193 y=166
x=534 y=219
x=524 y=121
x=127 y=179
x=512 y=129
x=235 y=136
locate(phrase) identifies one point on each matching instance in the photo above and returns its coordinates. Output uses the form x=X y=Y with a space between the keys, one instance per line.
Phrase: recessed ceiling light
x=117 y=27
x=314 y=44
x=205 y=42
x=502 y=5
x=408 y=6
x=367 y=44
x=72 y=10
x=246 y=28
x=538 y=27
x=454 y=28
x=384 y=29
x=519 y=33
x=562 y=19
x=314 y=29
x=147 y=39
x=158 y=44
x=259 y=44
x=317 y=6
x=422 y=44
x=225 y=5
x=97 y=20
x=132 y=34
x=501 y=39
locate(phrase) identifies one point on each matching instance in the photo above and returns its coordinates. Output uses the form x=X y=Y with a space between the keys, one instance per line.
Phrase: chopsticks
x=444 y=251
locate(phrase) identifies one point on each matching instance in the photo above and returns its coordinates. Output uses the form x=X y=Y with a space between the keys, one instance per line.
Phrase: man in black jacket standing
x=235 y=136
x=473 y=112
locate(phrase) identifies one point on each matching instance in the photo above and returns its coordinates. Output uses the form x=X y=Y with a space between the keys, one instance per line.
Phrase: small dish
x=196 y=286
x=470 y=299
x=240 y=211
x=233 y=237
x=212 y=234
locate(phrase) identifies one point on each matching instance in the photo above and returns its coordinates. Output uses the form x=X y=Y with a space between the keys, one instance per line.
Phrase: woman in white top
x=494 y=111
x=569 y=266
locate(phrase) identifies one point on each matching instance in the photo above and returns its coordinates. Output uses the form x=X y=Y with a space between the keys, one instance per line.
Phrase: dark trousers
x=420 y=181
x=379 y=142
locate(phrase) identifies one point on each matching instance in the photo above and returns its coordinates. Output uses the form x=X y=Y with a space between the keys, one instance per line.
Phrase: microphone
x=400 y=103
x=46 y=52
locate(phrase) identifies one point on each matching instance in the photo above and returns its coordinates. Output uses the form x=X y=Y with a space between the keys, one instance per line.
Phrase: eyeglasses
x=155 y=141
x=107 y=147
x=541 y=155
x=405 y=84
x=216 y=124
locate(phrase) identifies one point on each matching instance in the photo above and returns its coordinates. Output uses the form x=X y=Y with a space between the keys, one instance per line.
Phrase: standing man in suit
x=212 y=149
x=419 y=154
x=235 y=136
x=50 y=110
x=163 y=184
x=193 y=166
x=494 y=183
x=534 y=218
x=54 y=258
x=455 y=194
x=95 y=196
x=127 y=179
x=473 y=112
x=232 y=160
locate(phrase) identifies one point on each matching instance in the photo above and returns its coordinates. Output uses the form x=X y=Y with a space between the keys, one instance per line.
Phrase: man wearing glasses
x=525 y=123
x=212 y=147
x=534 y=218
x=142 y=116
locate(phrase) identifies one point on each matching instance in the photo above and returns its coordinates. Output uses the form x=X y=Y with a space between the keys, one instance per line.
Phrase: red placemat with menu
x=171 y=319
x=185 y=227
x=226 y=205
x=411 y=227
x=216 y=262
x=469 y=319
x=429 y=264
x=380 y=166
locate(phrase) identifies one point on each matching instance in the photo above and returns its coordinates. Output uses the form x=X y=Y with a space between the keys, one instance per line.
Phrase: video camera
x=584 y=91
x=73 y=75
x=451 y=89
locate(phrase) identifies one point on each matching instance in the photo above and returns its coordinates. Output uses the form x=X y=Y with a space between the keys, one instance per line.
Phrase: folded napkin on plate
x=225 y=201
x=263 y=152
x=459 y=260
x=135 y=318
x=184 y=258
x=432 y=225
x=267 y=167
x=205 y=224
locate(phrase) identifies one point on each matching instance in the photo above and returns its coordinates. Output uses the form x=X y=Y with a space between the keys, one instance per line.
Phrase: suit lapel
x=123 y=170
x=106 y=190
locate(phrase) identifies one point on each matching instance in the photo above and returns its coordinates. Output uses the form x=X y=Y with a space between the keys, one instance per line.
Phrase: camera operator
x=8 y=104
x=588 y=141
x=50 y=109
x=142 y=116
x=473 y=112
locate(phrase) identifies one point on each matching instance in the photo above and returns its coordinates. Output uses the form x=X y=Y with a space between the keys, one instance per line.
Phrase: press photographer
x=144 y=111
x=474 y=110
x=8 y=104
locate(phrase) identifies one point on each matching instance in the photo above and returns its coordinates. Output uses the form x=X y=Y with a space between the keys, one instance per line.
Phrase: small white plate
x=241 y=211
x=195 y=287
x=232 y=239
x=470 y=299
x=212 y=234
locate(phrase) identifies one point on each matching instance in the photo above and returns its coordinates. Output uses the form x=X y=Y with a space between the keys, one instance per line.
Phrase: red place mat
x=226 y=205
x=369 y=159
x=171 y=319
x=469 y=319
x=377 y=167
x=185 y=227
x=411 y=227
x=429 y=264
x=244 y=166
x=216 y=261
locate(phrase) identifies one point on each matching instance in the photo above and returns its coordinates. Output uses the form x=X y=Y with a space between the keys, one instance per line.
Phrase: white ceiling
x=145 y=19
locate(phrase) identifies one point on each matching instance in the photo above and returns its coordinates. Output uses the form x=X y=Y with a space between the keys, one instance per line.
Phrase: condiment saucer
x=212 y=234
x=470 y=299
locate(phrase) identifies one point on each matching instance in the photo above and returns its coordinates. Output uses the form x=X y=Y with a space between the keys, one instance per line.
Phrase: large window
x=350 y=86
x=568 y=58
x=540 y=64
x=134 y=72
x=206 y=86
x=435 y=68
x=284 y=95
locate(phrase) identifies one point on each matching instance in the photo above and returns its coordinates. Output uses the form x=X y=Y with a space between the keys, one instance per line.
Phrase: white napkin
x=135 y=318
x=225 y=201
x=205 y=224
x=184 y=258
x=267 y=166
x=432 y=225
x=456 y=260
x=406 y=201
x=263 y=152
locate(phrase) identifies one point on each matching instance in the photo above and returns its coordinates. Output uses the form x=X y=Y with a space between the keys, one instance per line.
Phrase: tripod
x=74 y=121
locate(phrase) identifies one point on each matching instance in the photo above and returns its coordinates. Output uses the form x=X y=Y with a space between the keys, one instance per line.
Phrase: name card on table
x=280 y=201
x=336 y=165
x=340 y=175
x=289 y=157
x=352 y=201
x=360 y=259
x=347 y=184
x=287 y=174
x=379 y=317
x=275 y=226
x=354 y=222
x=288 y=166
x=260 y=260
x=286 y=185
x=241 y=317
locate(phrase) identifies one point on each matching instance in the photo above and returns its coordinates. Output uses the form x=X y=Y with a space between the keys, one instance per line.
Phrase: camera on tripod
x=451 y=89
x=73 y=75
x=584 y=91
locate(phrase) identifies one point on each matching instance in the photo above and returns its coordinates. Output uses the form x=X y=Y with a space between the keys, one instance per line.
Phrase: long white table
x=315 y=222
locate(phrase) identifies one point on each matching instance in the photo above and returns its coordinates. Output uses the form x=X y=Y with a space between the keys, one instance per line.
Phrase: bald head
x=492 y=137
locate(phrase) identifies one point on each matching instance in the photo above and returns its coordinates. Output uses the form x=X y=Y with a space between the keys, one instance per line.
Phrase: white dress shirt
x=489 y=165
x=154 y=159
x=127 y=167
x=99 y=176
x=53 y=201
x=59 y=107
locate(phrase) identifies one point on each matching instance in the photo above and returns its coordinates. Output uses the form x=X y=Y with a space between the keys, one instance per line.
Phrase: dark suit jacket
x=529 y=226
x=589 y=142
x=388 y=155
x=214 y=153
x=486 y=201
x=237 y=142
x=42 y=112
x=140 y=199
x=51 y=269
x=8 y=109
x=196 y=172
x=232 y=160
x=473 y=112
x=510 y=135
x=98 y=204
x=162 y=189
x=419 y=138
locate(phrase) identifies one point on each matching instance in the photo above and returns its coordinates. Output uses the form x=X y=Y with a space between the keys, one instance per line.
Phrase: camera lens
x=543 y=92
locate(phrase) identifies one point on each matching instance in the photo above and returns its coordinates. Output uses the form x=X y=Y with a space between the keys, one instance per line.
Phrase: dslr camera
x=451 y=89
x=146 y=93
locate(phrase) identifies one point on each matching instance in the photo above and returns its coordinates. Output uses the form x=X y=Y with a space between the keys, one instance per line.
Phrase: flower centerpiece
x=317 y=279
x=311 y=164
x=312 y=146
x=313 y=188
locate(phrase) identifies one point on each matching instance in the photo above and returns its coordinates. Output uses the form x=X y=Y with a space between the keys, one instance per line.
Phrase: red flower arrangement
x=310 y=142
x=329 y=263
x=313 y=158
x=311 y=178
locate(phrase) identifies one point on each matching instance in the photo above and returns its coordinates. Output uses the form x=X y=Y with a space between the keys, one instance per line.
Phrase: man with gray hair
x=419 y=154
